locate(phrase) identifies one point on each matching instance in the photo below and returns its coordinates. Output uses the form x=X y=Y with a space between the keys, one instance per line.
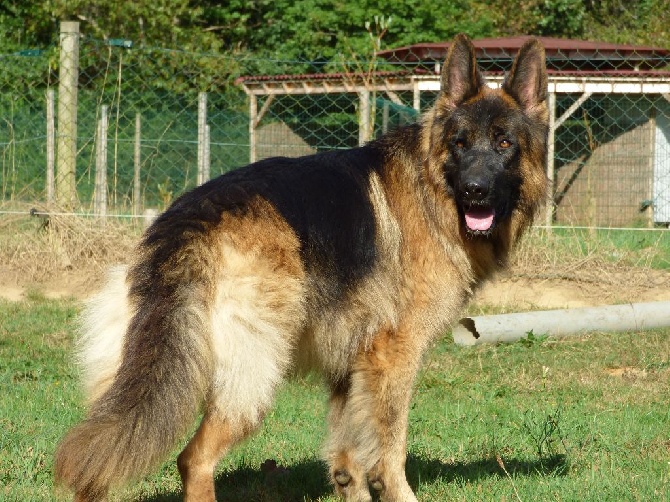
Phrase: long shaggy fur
x=349 y=262
x=158 y=388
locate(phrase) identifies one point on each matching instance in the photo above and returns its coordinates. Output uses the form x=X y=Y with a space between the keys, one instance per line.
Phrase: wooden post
x=255 y=117
x=551 y=151
x=253 y=122
x=206 y=155
x=137 y=206
x=554 y=124
x=203 y=169
x=364 y=134
x=592 y=203
x=51 y=146
x=68 y=77
x=100 y=198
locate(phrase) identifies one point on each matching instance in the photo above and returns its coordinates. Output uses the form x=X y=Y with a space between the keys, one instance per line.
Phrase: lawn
x=585 y=418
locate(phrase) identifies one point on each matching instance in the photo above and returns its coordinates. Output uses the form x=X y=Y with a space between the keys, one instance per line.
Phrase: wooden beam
x=264 y=109
x=326 y=86
x=394 y=98
x=573 y=108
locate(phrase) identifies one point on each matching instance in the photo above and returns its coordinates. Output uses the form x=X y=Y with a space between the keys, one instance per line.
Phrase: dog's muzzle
x=479 y=216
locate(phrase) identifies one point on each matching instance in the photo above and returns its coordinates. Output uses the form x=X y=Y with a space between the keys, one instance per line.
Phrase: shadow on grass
x=427 y=470
x=307 y=480
x=304 y=480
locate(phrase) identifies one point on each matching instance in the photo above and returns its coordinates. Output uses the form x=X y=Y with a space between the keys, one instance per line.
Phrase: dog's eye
x=459 y=143
x=504 y=143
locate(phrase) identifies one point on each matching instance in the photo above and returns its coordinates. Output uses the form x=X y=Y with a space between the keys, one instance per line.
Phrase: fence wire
x=142 y=125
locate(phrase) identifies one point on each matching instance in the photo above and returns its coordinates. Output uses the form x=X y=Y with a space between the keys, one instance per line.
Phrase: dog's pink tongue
x=479 y=219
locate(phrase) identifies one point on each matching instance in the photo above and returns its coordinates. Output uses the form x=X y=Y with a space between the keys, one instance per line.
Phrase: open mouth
x=479 y=219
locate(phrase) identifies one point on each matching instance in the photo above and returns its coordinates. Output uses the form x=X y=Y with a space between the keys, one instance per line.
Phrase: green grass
x=629 y=247
x=585 y=418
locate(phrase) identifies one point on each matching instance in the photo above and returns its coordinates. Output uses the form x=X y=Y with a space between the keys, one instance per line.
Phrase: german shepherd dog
x=350 y=262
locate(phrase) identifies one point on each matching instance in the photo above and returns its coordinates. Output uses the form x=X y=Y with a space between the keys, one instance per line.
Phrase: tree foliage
x=321 y=29
x=635 y=22
x=266 y=36
x=644 y=22
x=318 y=30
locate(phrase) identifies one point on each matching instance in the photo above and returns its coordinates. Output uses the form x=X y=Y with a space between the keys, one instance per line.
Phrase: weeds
x=544 y=432
x=38 y=247
x=576 y=253
x=531 y=339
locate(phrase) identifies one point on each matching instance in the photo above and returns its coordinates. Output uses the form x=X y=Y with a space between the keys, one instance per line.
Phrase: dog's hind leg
x=245 y=379
x=198 y=461
x=252 y=327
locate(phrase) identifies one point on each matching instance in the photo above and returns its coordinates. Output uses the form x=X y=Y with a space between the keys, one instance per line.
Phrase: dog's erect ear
x=461 y=79
x=527 y=81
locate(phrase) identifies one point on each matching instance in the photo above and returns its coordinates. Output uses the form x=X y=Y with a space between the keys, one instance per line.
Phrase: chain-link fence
x=106 y=127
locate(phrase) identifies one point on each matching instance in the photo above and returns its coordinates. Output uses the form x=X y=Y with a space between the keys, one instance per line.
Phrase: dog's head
x=491 y=142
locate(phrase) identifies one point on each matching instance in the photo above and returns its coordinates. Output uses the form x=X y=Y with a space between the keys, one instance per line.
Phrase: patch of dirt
x=626 y=372
x=67 y=257
x=65 y=284
x=509 y=292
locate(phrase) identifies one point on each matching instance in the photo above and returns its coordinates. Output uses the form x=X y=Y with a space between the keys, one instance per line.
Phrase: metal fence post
x=364 y=129
x=66 y=183
x=206 y=162
x=253 y=122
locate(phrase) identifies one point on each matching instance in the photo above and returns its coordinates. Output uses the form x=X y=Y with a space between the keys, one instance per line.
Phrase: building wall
x=610 y=185
x=661 y=193
x=278 y=140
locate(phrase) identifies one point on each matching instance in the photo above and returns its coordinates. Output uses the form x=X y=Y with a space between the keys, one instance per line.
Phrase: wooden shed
x=614 y=174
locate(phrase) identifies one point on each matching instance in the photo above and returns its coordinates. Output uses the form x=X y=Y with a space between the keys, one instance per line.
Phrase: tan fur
x=100 y=356
x=255 y=314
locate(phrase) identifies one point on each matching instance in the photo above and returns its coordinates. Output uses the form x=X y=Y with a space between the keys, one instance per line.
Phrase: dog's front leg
x=342 y=452
x=368 y=420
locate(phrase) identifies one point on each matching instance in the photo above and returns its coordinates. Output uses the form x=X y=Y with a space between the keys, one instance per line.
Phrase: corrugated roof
x=321 y=77
x=582 y=54
x=328 y=76
x=569 y=58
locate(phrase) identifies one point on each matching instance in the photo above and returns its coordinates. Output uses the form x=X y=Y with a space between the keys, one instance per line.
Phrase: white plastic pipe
x=558 y=323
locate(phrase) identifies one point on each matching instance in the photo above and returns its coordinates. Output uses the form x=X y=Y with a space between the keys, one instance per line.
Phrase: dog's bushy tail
x=146 y=366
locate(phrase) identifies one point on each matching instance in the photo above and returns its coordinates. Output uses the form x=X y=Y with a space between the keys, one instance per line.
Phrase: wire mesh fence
x=106 y=127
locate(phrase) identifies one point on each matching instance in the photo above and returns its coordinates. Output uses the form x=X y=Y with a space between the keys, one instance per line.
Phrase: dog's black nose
x=475 y=190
